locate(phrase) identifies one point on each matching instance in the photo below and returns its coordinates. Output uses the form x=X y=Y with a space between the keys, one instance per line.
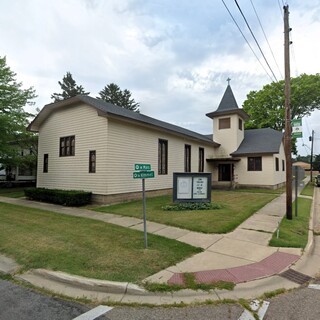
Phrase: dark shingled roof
x=260 y=141
x=228 y=101
x=228 y=105
x=108 y=109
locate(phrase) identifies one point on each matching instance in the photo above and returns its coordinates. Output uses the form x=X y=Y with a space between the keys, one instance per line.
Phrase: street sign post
x=143 y=171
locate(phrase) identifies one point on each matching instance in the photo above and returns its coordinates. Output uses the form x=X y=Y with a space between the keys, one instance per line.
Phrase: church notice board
x=191 y=187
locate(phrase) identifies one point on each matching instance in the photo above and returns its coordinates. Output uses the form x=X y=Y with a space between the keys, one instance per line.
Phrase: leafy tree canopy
x=266 y=107
x=303 y=158
x=13 y=117
x=113 y=94
x=69 y=89
x=316 y=163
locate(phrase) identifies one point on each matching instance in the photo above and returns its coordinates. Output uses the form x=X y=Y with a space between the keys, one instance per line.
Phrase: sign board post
x=143 y=171
x=296 y=189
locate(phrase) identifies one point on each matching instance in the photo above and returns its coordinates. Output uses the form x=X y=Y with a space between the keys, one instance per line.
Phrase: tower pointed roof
x=228 y=105
x=228 y=101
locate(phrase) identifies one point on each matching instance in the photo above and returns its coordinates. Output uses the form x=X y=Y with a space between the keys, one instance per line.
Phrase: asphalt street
x=19 y=303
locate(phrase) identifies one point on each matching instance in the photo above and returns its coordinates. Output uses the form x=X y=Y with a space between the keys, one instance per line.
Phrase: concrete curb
x=87 y=283
x=8 y=265
x=310 y=245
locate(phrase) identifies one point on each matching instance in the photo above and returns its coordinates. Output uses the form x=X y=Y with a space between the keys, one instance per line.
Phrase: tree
x=113 y=94
x=266 y=107
x=303 y=158
x=13 y=118
x=316 y=163
x=69 y=89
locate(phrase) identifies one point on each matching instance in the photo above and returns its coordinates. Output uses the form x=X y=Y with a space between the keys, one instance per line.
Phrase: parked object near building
x=88 y=144
x=317 y=180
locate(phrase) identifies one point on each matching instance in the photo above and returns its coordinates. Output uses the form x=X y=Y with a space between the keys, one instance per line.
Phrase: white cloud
x=175 y=56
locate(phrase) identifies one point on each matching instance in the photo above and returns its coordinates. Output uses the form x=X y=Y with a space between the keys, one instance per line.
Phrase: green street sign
x=296 y=134
x=296 y=128
x=143 y=174
x=142 y=167
x=296 y=122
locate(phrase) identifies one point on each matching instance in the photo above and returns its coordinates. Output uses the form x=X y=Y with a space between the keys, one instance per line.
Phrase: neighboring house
x=88 y=144
x=304 y=165
x=24 y=172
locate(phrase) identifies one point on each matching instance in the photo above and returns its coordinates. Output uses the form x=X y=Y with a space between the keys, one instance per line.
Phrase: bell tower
x=228 y=123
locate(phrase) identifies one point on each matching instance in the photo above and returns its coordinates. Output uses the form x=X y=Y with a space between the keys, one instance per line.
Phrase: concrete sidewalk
x=243 y=254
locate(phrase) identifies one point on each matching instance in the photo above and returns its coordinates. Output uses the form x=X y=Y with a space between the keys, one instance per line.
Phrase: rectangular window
x=45 y=162
x=240 y=124
x=283 y=165
x=92 y=161
x=163 y=156
x=224 y=123
x=67 y=146
x=277 y=164
x=254 y=164
x=201 y=159
x=187 y=158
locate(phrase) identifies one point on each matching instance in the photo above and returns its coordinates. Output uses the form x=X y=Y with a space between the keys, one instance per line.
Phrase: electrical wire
x=246 y=40
x=265 y=59
x=280 y=8
x=265 y=36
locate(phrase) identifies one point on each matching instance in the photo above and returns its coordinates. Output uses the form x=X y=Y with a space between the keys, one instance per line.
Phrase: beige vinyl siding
x=267 y=177
x=230 y=138
x=279 y=176
x=72 y=172
x=129 y=144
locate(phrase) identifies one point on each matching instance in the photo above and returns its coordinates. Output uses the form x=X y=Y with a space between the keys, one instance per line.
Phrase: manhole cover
x=295 y=276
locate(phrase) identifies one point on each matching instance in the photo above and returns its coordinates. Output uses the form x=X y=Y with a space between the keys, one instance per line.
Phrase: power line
x=246 y=40
x=280 y=8
x=265 y=36
x=265 y=59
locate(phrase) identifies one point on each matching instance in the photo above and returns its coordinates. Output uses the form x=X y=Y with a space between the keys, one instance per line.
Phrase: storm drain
x=295 y=276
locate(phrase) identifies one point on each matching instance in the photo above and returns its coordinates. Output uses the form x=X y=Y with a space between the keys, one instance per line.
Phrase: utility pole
x=288 y=129
x=311 y=160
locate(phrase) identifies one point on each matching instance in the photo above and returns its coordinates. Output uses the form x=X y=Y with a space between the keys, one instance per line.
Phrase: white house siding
x=72 y=172
x=280 y=176
x=268 y=177
x=229 y=139
x=129 y=143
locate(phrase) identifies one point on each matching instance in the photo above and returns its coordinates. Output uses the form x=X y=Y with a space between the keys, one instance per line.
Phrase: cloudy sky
x=173 y=55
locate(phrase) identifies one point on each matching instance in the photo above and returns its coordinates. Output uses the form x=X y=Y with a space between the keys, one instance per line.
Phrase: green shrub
x=69 y=198
x=184 y=206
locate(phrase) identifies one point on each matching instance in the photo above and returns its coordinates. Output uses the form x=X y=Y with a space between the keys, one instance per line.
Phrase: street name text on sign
x=143 y=174
x=142 y=167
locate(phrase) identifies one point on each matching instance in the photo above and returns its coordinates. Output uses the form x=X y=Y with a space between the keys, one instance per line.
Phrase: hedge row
x=67 y=198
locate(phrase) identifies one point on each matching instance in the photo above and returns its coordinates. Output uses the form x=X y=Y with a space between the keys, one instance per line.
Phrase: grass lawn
x=294 y=233
x=308 y=190
x=12 y=192
x=258 y=190
x=85 y=247
x=236 y=207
